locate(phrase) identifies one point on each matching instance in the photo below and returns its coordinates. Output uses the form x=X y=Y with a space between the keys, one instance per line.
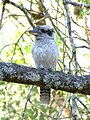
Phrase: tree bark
x=11 y=72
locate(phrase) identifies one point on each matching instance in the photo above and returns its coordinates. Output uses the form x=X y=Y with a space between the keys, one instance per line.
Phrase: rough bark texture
x=11 y=72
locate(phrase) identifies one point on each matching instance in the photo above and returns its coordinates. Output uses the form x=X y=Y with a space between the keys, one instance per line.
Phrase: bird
x=45 y=54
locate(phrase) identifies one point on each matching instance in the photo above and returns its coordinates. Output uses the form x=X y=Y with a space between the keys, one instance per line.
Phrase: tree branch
x=11 y=72
x=77 y=4
x=22 y=9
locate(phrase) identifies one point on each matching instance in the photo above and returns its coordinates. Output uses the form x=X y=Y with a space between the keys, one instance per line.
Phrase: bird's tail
x=45 y=95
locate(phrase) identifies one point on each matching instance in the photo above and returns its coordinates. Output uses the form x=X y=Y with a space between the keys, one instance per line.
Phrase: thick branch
x=11 y=72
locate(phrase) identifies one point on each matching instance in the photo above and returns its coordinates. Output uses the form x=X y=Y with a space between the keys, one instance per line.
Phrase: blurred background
x=71 y=24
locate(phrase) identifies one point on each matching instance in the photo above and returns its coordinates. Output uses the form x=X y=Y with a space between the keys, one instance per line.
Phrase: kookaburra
x=45 y=54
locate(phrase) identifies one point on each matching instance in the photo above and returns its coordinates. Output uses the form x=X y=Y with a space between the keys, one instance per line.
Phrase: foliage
x=73 y=39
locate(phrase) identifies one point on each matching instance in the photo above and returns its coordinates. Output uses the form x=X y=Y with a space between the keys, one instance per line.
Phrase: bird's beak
x=33 y=32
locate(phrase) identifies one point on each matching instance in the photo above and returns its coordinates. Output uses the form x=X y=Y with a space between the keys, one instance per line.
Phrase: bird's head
x=44 y=31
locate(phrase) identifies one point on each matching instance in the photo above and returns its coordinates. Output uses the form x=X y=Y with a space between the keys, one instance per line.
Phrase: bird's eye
x=49 y=32
x=42 y=30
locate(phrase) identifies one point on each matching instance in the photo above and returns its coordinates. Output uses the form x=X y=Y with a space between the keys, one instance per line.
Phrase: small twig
x=40 y=20
x=78 y=108
x=70 y=34
x=77 y=4
x=14 y=17
x=83 y=104
x=22 y=54
x=3 y=9
x=24 y=11
x=27 y=100
x=73 y=107
x=87 y=32
x=4 y=48
x=65 y=67
x=59 y=113
x=82 y=47
x=17 y=42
